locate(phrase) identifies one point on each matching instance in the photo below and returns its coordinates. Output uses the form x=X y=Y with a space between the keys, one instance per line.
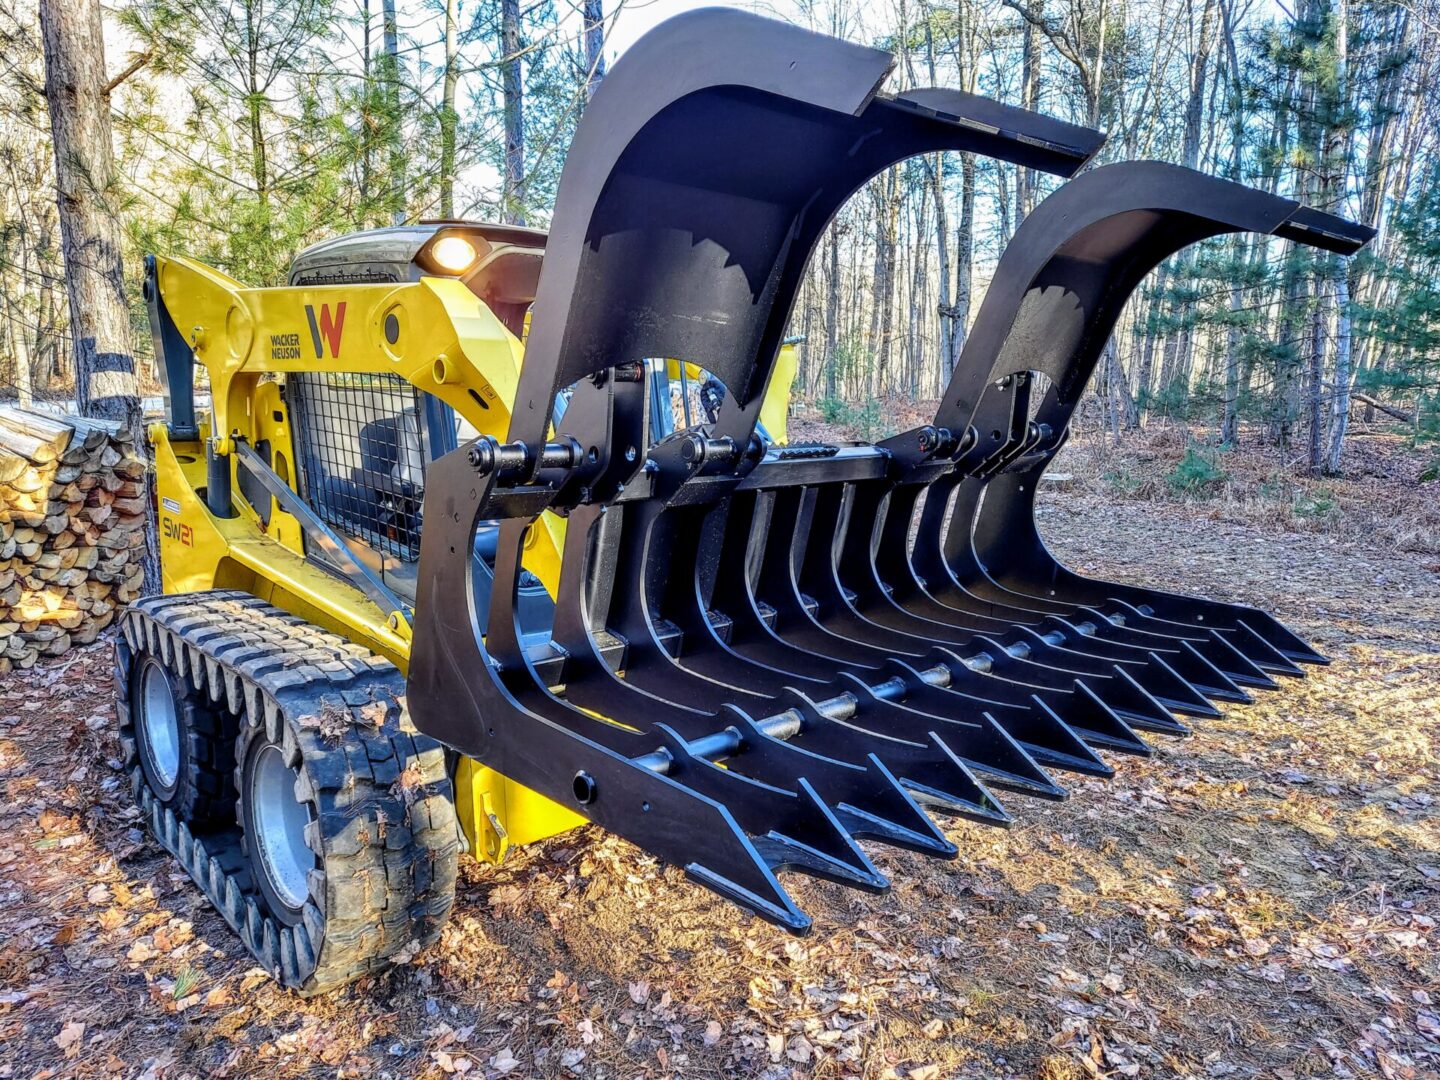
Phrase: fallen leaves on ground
x=1259 y=900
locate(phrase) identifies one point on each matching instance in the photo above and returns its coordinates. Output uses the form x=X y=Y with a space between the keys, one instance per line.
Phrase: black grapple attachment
x=764 y=654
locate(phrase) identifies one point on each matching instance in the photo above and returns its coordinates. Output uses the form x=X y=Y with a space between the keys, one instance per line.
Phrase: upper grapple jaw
x=762 y=655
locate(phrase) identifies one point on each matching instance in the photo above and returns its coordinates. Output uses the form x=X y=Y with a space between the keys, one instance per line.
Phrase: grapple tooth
x=1144 y=711
x=1241 y=669
x=1116 y=687
x=1175 y=692
x=985 y=745
x=1191 y=664
x=1045 y=736
x=1148 y=669
x=1266 y=655
x=922 y=765
x=1288 y=643
x=792 y=829
x=865 y=798
x=1103 y=728
x=1052 y=741
x=979 y=805
x=767 y=899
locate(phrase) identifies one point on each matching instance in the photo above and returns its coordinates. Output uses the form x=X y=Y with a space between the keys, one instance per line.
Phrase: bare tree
x=512 y=192
x=594 y=15
x=448 y=116
x=392 y=88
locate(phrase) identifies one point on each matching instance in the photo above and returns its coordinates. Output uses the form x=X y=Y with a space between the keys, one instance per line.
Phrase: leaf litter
x=1258 y=900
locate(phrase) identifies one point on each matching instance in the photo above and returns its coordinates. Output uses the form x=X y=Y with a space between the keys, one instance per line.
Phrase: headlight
x=453 y=253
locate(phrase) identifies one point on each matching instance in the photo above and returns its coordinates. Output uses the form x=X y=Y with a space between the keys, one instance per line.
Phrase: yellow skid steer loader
x=488 y=533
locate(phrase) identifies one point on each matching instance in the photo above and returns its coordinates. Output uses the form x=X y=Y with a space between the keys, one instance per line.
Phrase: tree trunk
x=1145 y=388
x=946 y=310
x=259 y=160
x=1285 y=404
x=888 y=241
x=397 y=144
x=1126 y=414
x=1344 y=373
x=367 y=155
x=936 y=173
x=594 y=14
x=19 y=332
x=512 y=194
x=24 y=374
x=1230 y=416
x=448 y=117
x=1195 y=103
x=1029 y=96
x=85 y=182
x=106 y=386
x=1335 y=156
x=832 y=315
x=965 y=254
x=1315 y=382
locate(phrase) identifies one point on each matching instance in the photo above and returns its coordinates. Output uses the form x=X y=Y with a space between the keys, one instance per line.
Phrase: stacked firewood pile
x=72 y=531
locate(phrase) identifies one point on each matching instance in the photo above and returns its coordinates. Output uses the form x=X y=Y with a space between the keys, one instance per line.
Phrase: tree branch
x=140 y=60
x=1388 y=410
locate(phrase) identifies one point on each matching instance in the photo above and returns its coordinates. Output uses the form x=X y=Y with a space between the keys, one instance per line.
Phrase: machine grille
x=360 y=442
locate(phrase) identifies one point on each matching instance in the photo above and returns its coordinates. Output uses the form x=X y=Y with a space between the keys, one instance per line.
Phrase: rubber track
x=388 y=843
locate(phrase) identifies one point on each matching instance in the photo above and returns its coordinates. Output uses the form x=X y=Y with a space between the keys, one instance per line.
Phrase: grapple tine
x=1156 y=677
x=1115 y=687
x=1241 y=669
x=988 y=748
x=931 y=770
x=1267 y=656
x=791 y=829
x=887 y=590
x=990 y=811
x=1101 y=727
x=1046 y=733
x=866 y=798
x=1186 y=657
x=602 y=690
x=1147 y=712
x=1005 y=676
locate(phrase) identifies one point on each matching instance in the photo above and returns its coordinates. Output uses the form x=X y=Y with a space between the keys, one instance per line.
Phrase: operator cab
x=364 y=441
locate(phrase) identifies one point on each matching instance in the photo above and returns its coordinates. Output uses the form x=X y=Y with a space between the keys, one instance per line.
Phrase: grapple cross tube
x=752 y=666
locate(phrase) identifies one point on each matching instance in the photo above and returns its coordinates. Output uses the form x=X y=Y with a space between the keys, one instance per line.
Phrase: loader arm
x=433 y=334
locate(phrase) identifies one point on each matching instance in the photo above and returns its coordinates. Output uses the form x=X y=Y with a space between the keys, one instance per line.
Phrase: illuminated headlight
x=453 y=253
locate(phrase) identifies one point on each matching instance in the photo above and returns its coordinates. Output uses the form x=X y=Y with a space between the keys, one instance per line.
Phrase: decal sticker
x=177 y=530
x=327 y=327
x=284 y=346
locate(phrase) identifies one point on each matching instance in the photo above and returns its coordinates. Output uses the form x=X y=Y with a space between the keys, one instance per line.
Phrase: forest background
x=244 y=130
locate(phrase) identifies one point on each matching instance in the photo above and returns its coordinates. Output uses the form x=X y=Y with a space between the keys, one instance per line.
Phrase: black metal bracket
x=176 y=358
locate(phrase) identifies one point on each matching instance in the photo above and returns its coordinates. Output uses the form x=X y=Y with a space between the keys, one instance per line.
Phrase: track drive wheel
x=339 y=852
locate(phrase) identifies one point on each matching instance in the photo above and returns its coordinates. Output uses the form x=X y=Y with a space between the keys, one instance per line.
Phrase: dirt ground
x=1257 y=900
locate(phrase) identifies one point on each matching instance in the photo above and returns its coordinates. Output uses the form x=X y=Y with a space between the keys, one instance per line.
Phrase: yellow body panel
x=438 y=336
x=775 y=409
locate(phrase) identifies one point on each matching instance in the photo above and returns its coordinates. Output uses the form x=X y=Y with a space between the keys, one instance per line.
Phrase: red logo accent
x=327 y=327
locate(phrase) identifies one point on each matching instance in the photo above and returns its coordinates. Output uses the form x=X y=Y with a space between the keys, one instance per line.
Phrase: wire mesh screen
x=362 y=455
